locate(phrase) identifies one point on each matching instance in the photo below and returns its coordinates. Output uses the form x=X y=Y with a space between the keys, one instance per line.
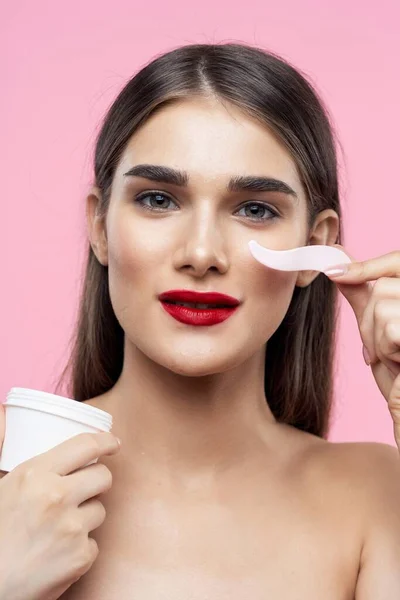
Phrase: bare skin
x=212 y=498
x=288 y=522
x=298 y=527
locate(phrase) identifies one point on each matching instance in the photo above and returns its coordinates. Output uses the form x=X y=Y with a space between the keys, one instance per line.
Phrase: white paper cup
x=38 y=421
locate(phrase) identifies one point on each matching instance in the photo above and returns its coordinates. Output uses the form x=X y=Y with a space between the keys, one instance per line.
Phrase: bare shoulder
x=358 y=480
x=370 y=461
x=374 y=470
x=363 y=481
x=367 y=470
x=368 y=465
x=361 y=453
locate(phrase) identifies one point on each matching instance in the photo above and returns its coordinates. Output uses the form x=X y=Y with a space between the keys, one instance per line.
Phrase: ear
x=324 y=231
x=96 y=226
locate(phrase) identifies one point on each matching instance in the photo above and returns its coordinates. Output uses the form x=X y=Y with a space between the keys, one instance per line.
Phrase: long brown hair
x=300 y=354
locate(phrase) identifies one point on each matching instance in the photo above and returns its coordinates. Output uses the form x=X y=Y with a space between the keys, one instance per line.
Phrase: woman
x=225 y=486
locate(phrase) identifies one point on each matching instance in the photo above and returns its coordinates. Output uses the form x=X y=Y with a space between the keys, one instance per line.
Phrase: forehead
x=210 y=140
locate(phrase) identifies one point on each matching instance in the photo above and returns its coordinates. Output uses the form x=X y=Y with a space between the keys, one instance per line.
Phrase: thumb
x=357 y=294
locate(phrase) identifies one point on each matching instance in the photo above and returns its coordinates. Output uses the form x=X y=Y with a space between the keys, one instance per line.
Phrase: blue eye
x=267 y=214
x=158 y=205
x=159 y=202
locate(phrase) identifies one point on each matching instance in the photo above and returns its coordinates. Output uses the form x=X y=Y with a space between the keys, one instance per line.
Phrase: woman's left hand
x=377 y=310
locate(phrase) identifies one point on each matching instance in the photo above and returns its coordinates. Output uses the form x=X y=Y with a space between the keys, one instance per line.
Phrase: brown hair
x=300 y=355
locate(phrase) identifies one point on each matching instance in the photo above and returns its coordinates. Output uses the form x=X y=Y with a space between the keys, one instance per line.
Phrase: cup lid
x=50 y=399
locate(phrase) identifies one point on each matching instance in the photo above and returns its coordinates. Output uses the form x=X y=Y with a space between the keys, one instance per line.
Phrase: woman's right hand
x=47 y=511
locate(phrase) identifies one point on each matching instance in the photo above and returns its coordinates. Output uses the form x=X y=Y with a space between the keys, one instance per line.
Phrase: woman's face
x=196 y=236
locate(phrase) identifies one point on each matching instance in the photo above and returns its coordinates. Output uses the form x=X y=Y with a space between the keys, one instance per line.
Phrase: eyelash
x=140 y=197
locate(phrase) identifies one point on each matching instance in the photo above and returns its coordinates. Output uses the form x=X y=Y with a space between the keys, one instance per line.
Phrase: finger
x=93 y=514
x=388 y=345
x=387 y=265
x=383 y=289
x=88 y=482
x=394 y=407
x=357 y=294
x=384 y=379
x=76 y=452
x=383 y=307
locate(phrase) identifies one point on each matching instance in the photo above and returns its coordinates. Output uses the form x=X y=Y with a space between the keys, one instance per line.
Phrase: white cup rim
x=53 y=399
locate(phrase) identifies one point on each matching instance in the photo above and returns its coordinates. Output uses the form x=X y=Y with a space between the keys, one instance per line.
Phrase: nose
x=202 y=246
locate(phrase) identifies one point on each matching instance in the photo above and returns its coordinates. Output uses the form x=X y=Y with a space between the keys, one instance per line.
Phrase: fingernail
x=337 y=271
x=366 y=356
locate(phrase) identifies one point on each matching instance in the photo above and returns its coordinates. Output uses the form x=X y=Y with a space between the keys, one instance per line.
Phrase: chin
x=201 y=366
x=195 y=370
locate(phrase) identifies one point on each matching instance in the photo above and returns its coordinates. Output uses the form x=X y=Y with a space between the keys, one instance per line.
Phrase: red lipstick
x=199 y=308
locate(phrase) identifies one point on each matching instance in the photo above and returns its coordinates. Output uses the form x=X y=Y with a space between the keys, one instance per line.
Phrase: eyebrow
x=248 y=183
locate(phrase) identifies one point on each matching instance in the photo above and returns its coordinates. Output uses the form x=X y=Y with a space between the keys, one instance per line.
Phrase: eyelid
x=150 y=193
x=155 y=192
x=168 y=195
x=266 y=205
x=257 y=201
x=274 y=211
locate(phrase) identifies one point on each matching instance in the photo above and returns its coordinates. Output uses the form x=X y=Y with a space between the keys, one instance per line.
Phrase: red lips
x=222 y=307
x=199 y=297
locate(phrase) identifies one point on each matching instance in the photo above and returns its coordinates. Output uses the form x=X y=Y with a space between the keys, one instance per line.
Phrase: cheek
x=261 y=282
x=276 y=284
x=134 y=265
x=134 y=254
x=270 y=293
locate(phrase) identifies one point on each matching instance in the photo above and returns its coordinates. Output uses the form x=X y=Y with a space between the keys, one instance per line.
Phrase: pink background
x=63 y=66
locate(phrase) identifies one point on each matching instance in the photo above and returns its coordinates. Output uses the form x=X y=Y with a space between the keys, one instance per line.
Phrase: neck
x=185 y=426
